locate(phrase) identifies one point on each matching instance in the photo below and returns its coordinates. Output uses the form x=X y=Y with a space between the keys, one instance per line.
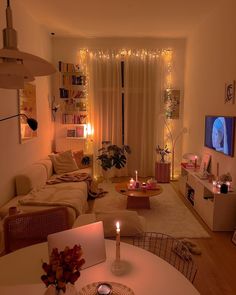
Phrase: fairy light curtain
x=146 y=75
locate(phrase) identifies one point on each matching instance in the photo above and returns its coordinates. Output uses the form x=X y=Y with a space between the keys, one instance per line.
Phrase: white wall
x=32 y=38
x=66 y=49
x=210 y=62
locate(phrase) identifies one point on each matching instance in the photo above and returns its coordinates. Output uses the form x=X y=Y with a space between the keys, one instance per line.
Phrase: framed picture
x=234 y=237
x=172 y=103
x=230 y=92
x=27 y=106
x=205 y=163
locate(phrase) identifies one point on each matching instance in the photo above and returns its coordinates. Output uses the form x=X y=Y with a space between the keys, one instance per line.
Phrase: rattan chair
x=21 y=230
x=171 y=250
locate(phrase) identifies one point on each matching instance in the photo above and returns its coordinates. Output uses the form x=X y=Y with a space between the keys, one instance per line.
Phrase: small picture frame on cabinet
x=234 y=237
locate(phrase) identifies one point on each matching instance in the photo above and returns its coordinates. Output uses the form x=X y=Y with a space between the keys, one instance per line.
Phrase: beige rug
x=168 y=214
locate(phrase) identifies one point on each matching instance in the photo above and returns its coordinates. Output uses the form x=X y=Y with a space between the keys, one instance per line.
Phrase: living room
x=204 y=61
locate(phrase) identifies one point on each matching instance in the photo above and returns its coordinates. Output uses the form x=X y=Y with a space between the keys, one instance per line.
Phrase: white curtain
x=105 y=100
x=143 y=93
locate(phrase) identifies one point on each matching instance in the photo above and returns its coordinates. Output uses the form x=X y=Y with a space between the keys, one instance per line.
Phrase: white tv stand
x=216 y=209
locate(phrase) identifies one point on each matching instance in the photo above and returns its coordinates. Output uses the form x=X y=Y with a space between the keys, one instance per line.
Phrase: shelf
x=68 y=137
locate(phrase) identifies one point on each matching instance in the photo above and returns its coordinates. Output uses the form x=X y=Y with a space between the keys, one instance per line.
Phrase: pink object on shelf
x=162 y=172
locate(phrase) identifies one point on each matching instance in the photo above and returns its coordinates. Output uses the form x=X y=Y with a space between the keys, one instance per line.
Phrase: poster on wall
x=172 y=103
x=27 y=106
x=230 y=92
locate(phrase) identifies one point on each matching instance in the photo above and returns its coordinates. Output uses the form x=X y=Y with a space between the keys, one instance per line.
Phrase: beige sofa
x=34 y=194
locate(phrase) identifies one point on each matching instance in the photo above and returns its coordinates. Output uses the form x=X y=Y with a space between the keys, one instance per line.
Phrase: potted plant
x=163 y=152
x=111 y=155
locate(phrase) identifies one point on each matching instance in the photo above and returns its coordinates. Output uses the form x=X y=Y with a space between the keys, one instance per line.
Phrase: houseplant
x=111 y=155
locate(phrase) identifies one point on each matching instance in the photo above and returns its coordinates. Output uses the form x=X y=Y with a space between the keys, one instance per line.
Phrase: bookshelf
x=73 y=100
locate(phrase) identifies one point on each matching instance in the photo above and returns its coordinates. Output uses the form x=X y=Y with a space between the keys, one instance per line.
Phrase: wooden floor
x=217 y=265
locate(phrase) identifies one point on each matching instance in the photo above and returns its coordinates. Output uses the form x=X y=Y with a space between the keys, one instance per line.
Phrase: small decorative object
x=151 y=183
x=163 y=152
x=226 y=177
x=214 y=183
x=63 y=269
x=195 y=162
x=224 y=188
x=230 y=92
x=110 y=155
x=104 y=289
x=131 y=184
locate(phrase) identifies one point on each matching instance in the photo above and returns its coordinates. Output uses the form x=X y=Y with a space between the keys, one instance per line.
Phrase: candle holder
x=119 y=267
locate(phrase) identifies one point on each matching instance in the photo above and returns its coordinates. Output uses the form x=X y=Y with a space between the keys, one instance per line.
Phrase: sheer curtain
x=105 y=97
x=143 y=92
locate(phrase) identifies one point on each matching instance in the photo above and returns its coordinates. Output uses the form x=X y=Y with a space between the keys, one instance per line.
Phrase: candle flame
x=118 y=225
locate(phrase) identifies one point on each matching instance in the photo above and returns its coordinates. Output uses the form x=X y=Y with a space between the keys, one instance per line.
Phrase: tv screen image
x=219 y=134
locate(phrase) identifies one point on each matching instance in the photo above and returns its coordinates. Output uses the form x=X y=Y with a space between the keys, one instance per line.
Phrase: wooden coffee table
x=137 y=199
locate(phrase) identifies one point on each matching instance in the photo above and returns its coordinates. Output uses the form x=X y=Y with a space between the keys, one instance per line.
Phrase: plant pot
x=106 y=175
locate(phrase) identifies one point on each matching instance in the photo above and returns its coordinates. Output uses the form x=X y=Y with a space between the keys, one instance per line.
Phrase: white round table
x=147 y=274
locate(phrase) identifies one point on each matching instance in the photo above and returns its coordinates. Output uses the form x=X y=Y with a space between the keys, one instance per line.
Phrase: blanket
x=69 y=196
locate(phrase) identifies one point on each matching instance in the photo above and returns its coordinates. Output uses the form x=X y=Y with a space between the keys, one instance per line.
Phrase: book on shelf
x=67 y=67
x=80 y=131
x=71 y=133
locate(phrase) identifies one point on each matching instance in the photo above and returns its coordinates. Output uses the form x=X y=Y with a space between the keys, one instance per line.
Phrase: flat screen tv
x=219 y=134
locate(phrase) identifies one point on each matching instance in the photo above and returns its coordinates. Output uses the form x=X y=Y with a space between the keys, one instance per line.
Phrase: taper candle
x=195 y=162
x=136 y=175
x=117 y=241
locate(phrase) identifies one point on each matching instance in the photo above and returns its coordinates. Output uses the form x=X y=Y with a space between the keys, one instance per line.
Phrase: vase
x=70 y=290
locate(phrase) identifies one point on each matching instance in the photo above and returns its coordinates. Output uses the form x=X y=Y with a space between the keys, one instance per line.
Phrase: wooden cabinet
x=216 y=209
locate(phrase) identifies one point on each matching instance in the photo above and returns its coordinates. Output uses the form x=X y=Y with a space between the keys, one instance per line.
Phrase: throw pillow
x=63 y=162
x=130 y=222
x=78 y=156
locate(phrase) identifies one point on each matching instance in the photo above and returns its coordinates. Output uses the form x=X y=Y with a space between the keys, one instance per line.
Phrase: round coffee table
x=137 y=199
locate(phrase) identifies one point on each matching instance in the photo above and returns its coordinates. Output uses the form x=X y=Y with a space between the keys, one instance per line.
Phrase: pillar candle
x=117 y=241
x=136 y=175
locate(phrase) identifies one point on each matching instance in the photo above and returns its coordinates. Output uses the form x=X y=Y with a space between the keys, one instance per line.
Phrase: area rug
x=168 y=214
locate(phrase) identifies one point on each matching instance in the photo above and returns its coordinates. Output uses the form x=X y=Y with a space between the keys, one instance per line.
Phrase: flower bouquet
x=63 y=267
x=163 y=152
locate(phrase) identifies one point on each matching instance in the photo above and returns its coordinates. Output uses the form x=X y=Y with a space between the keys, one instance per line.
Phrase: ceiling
x=119 y=18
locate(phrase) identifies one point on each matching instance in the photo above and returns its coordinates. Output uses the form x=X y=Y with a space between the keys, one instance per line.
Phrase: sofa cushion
x=47 y=163
x=33 y=177
x=63 y=162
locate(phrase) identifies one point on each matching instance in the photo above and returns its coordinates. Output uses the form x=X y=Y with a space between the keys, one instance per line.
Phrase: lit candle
x=214 y=182
x=136 y=175
x=131 y=183
x=228 y=184
x=217 y=170
x=117 y=241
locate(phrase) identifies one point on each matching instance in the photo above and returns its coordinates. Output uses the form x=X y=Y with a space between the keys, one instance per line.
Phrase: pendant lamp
x=17 y=67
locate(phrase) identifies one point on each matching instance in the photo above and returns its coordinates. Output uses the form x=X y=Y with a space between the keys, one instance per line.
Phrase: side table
x=162 y=171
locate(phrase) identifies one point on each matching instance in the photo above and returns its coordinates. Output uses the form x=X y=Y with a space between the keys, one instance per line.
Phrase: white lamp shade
x=37 y=66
